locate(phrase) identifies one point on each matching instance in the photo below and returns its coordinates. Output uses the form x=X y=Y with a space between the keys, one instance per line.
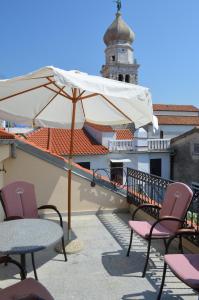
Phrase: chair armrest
x=165 y=218
x=53 y=207
x=7 y=259
x=187 y=232
x=48 y=206
x=146 y=205
x=184 y=232
x=13 y=218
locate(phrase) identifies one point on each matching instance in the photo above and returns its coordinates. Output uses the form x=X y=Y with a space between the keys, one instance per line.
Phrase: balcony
x=121 y=145
x=158 y=144
x=139 y=145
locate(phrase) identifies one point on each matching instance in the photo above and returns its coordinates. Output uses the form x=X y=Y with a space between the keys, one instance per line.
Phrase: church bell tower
x=120 y=62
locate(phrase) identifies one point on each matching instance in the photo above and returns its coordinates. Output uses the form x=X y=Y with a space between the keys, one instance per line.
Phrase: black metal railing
x=114 y=178
x=146 y=188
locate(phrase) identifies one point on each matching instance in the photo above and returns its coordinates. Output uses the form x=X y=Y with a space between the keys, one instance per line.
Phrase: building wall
x=143 y=162
x=177 y=113
x=170 y=131
x=51 y=185
x=185 y=163
x=4 y=154
x=138 y=161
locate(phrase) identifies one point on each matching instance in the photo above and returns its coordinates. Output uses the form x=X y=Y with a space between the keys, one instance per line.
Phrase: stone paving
x=101 y=271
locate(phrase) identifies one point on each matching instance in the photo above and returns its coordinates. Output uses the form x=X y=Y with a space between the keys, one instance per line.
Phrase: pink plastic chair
x=19 y=201
x=171 y=217
x=184 y=266
x=27 y=289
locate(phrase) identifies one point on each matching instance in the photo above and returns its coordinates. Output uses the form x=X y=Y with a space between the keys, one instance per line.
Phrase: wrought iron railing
x=146 y=188
x=114 y=178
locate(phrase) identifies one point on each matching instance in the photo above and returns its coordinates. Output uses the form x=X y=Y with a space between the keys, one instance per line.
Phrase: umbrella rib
x=66 y=94
x=89 y=96
x=49 y=88
x=83 y=109
x=25 y=91
x=116 y=108
x=58 y=93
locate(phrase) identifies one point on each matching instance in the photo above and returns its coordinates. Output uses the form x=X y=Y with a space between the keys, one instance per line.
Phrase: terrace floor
x=101 y=271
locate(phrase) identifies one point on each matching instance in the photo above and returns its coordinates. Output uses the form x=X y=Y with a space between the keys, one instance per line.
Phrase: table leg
x=23 y=262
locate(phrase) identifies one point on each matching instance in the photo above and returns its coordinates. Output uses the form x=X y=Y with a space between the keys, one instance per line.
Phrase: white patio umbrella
x=51 y=97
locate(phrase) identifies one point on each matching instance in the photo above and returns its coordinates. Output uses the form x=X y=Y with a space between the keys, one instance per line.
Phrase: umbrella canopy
x=51 y=97
x=44 y=98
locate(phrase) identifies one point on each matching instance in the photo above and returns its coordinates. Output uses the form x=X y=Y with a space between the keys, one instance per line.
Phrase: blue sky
x=69 y=35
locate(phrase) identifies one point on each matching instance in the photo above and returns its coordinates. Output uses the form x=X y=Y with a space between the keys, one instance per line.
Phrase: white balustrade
x=120 y=145
x=139 y=145
x=158 y=144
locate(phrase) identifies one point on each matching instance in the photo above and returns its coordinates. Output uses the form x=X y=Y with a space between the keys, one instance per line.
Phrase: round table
x=28 y=236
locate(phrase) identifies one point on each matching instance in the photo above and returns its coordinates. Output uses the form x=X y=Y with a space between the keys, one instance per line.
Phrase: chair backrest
x=176 y=202
x=19 y=199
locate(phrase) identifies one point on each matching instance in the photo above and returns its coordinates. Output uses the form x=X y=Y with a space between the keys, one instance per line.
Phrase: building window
x=127 y=78
x=120 y=77
x=113 y=57
x=86 y=165
x=161 y=134
x=196 y=148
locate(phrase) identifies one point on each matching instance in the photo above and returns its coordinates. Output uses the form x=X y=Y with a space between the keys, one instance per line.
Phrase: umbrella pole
x=72 y=245
x=70 y=164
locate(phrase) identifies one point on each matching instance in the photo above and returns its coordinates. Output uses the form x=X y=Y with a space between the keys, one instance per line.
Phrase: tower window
x=120 y=77
x=113 y=57
x=127 y=78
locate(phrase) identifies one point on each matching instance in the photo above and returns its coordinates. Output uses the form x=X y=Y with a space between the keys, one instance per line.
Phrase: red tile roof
x=178 y=120
x=58 y=141
x=104 y=128
x=6 y=135
x=171 y=107
x=124 y=134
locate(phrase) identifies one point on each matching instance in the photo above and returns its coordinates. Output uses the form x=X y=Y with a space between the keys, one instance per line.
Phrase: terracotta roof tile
x=58 y=141
x=6 y=135
x=178 y=120
x=104 y=128
x=171 y=107
x=124 y=134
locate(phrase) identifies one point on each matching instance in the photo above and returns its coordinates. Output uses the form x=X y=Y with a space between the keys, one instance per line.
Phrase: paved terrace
x=102 y=271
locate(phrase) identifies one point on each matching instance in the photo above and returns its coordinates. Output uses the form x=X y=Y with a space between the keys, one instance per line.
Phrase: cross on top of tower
x=119 y=5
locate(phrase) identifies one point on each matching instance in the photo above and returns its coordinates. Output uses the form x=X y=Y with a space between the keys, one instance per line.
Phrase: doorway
x=156 y=167
x=116 y=172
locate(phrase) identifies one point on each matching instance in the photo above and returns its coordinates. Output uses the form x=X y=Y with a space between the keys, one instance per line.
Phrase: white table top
x=28 y=235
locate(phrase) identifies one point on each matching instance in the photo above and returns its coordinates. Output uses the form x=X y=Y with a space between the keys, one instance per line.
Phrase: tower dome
x=118 y=31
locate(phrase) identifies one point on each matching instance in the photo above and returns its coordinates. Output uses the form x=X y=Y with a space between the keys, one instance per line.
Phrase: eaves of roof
x=178 y=120
x=171 y=107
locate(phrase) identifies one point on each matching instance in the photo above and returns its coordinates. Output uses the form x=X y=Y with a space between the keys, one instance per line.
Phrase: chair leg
x=162 y=283
x=23 y=263
x=33 y=264
x=180 y=245
x=147 y=258
x=130 y=243
x=165 y=244
x=64 y=250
